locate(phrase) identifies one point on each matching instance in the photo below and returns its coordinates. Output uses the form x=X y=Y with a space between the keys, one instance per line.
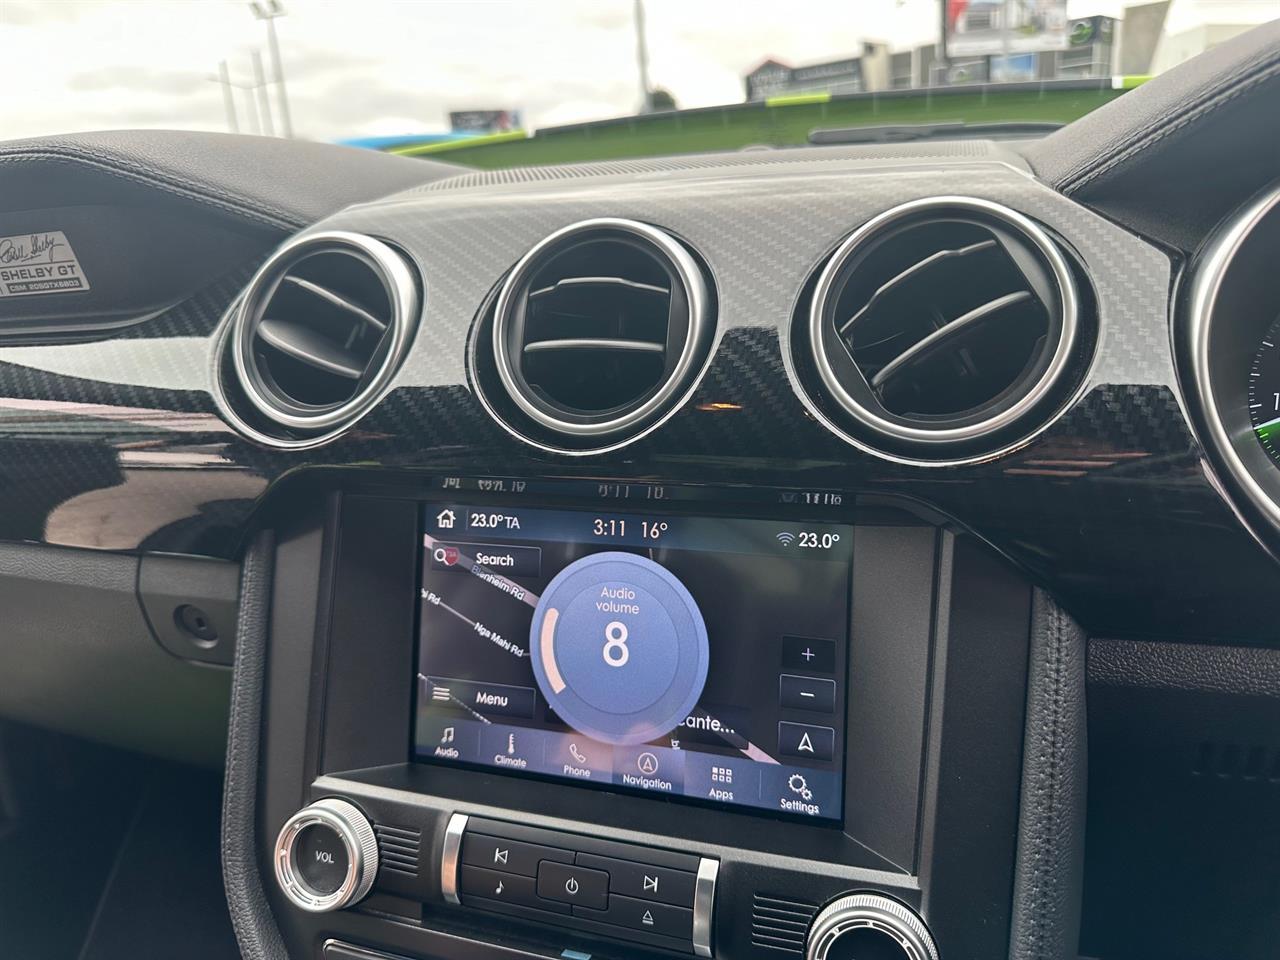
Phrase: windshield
x=504 y=83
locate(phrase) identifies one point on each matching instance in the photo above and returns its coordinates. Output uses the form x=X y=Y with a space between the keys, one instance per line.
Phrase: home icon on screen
x=445 y=519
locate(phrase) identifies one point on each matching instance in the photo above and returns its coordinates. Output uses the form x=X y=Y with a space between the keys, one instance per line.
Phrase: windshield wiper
x=949 y=130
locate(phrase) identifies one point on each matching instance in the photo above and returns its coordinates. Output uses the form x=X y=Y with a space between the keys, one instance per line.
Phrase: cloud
x=28 y=13
x=132 y=79
x=383 y=66
x=307 y=64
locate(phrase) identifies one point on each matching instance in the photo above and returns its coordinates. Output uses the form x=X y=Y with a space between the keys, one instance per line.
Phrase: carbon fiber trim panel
x=119 y=444
x=947 y=149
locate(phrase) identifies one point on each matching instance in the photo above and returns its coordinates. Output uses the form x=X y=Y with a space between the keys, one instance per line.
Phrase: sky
x=382 y=67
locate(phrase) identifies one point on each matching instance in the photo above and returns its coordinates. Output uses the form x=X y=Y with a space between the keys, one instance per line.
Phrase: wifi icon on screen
x=786 y=539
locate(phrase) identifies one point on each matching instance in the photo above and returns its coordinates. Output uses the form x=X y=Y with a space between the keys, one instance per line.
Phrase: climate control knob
x=326 y=856
x=869 y=926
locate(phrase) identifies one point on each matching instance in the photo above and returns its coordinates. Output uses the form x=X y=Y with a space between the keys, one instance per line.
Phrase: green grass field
x=773 y=125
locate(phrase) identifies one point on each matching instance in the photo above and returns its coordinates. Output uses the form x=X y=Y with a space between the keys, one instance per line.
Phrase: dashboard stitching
x=1235 y=86
x=1045 y=896
x=1046 y=877
x=255 y=927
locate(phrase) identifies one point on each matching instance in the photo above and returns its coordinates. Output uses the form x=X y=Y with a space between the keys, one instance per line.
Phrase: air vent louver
x=599 y=330
x=321 y=330
x=781 y=924
x=398 y=849
x=942 y=330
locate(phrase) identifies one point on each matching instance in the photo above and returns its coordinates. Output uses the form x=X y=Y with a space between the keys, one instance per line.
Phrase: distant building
x=1086 y=52
x=1147 y=45
x=1089 y=52
x=1040 y=45
x=773 y=78
x=767 y=78
x=1139 y=36
x=995 y=27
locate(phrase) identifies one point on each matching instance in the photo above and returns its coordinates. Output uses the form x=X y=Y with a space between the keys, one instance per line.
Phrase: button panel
x=644 y=915
x=806 y=693
x=655 y=897
x=578 y=886
x=644 y=881
x=805 y=741
x=476 y=882
x=508 y=856
x=809 y=654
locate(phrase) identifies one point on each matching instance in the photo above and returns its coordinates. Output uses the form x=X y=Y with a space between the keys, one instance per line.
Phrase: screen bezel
x=841 y=720
x=361 y=721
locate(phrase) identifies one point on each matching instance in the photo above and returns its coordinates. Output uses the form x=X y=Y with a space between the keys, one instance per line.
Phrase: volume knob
x=869 y=926
x=326 y=856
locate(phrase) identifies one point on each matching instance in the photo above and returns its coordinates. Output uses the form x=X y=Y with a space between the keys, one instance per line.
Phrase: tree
x=661 y=99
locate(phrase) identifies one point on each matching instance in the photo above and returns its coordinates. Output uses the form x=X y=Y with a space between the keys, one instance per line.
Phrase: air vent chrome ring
x=679 y=374
x=1225 y=313
x=401 y=290
x=936 y=443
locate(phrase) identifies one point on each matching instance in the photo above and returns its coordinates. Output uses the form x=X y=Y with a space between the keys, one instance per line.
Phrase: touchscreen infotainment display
x=694 y=657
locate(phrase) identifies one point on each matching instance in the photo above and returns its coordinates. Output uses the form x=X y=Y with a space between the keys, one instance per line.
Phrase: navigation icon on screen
x=647 y=764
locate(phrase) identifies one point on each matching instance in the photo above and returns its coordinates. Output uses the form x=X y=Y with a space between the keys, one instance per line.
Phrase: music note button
x=447 y=738
x=478 y=885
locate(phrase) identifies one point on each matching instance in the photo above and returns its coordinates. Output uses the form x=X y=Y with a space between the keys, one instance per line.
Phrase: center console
x=572 y=718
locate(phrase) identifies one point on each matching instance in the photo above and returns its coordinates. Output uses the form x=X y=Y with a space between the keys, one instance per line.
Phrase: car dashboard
x=794 y=552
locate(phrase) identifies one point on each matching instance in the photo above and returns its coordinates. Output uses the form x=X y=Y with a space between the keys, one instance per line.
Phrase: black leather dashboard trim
x=282 y=184
x=1149 y=664
x=1103 y=141
x=1173 y=157
x=255 y=927
x=1049 y=873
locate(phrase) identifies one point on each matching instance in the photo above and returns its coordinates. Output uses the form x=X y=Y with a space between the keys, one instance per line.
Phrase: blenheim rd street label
x=40 y=262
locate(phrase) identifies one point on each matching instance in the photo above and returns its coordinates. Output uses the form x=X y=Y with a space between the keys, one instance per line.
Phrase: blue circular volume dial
x=619 y=648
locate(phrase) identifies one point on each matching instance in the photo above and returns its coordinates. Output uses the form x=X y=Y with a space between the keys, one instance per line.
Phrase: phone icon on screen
x=577 y=754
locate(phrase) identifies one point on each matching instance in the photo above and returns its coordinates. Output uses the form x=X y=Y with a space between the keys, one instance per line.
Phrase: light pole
x=228 y=98
x=251 y=93
x=642 y=56
x=264 y=96
x=269 y=10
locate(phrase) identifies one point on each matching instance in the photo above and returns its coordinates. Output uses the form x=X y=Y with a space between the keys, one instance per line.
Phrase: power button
x=580 y=886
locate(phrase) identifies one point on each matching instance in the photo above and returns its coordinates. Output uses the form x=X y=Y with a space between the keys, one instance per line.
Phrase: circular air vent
x=943 y=331
x=321 y=330
x=599 y=331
